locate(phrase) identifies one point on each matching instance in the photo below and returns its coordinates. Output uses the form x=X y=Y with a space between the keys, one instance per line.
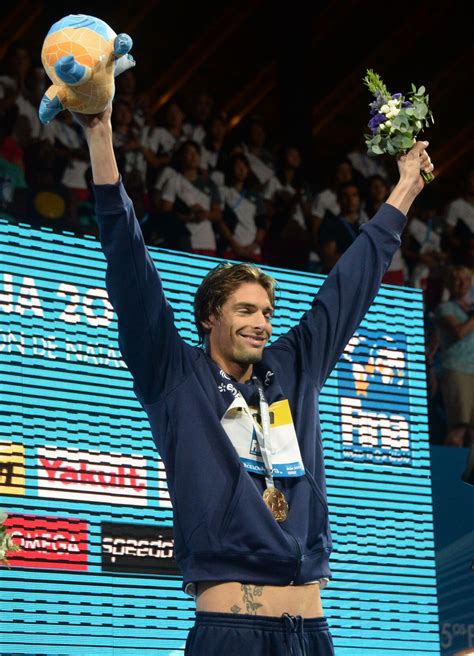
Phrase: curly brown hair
x=220 y=283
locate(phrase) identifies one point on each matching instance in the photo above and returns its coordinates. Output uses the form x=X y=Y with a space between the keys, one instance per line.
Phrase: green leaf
x=397 y=142
x=374 y=83
x=391 y=149
x=421 y=110
x=376 y=149
x=400 y=121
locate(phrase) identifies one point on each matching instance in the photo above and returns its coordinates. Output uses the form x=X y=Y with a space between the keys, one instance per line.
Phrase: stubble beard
x=244 y=358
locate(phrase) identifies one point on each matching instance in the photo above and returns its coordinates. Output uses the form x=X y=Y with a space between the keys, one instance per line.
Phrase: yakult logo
x=48 y=542
x=374 y=397
x=92 y=476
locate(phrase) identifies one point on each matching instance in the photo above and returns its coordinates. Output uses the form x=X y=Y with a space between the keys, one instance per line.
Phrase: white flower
x=393 y=112
x=384 y=109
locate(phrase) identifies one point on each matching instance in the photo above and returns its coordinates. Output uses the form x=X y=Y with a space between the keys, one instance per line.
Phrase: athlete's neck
x=239 y=372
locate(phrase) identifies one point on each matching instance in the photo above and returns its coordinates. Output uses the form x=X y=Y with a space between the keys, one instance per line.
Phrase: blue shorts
x=216 y=634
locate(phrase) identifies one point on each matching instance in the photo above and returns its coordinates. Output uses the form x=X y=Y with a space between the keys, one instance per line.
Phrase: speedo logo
x=138 y=548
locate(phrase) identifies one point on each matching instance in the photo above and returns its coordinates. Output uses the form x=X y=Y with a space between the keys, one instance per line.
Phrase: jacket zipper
x=300 y=558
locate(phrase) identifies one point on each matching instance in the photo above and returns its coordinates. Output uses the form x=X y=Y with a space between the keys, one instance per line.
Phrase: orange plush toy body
x=82 y=55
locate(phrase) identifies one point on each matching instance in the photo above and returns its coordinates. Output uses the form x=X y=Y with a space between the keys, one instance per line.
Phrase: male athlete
x=236 y=421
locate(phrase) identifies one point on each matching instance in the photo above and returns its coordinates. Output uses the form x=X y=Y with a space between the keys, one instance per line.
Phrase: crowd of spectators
x=201 y=187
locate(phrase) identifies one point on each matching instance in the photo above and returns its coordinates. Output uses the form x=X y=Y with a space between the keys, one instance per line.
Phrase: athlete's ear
x=209 y=323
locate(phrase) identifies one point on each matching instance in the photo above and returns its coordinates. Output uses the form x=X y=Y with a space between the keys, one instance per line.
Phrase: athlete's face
x=239 y=333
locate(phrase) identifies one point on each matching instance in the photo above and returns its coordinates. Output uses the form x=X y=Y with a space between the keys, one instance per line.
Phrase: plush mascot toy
x=81 y=55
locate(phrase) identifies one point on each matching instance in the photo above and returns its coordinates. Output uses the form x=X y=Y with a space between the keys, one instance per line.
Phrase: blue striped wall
x=382 y=599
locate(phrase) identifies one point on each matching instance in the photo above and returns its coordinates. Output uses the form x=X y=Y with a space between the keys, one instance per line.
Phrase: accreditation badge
x=241 y=424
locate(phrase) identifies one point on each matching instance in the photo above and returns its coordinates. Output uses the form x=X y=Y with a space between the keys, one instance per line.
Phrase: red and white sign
x=48 y=542
x=92 y=476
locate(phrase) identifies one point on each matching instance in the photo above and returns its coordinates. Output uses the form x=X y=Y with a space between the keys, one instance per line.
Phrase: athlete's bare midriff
x=249 y=599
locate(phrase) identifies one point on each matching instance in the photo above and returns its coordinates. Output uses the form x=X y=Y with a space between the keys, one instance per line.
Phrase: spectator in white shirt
x=72 y=155
x=17 y=82
x=254 y=148
x=201 y=111
x=460 y=222
x=191 y=205
x=378 y=190
x=455 y=319
x=133 y=147
x=337 y=233
x=326 y=201
x=163 y=141
x=170 y=135
x=243 y=224
x=212 y=160
x=423 y=251
x=288 y=203
x=368 y=165
x=126 y=91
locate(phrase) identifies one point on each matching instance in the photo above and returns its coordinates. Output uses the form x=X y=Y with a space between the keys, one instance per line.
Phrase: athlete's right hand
x=94 y=122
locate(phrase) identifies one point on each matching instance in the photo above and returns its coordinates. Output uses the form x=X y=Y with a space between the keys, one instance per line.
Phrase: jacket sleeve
x=148 y=338
x=320 y=337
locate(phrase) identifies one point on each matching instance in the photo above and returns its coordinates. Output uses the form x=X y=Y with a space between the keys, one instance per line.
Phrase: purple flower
x=397 y=96
x=407 y=103
x=374 y=108
x=375 y=121
x=377 y=103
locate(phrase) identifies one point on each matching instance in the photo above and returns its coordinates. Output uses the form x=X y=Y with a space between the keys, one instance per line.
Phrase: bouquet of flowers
x=6 y=542
x=396 y=119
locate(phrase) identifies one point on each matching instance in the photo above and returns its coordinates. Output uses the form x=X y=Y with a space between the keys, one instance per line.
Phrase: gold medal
x=278 y=505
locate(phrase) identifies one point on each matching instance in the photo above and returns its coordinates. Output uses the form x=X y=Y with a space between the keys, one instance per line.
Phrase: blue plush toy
x=82 y=55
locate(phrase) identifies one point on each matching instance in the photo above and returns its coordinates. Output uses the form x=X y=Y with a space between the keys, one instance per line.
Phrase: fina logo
x=374 y=397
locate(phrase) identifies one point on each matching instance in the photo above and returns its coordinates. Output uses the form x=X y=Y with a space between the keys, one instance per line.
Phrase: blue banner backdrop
x=79 y=470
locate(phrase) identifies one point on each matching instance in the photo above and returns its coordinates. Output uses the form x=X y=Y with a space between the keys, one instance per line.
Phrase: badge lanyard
x=273 y=497
x=264 y=440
